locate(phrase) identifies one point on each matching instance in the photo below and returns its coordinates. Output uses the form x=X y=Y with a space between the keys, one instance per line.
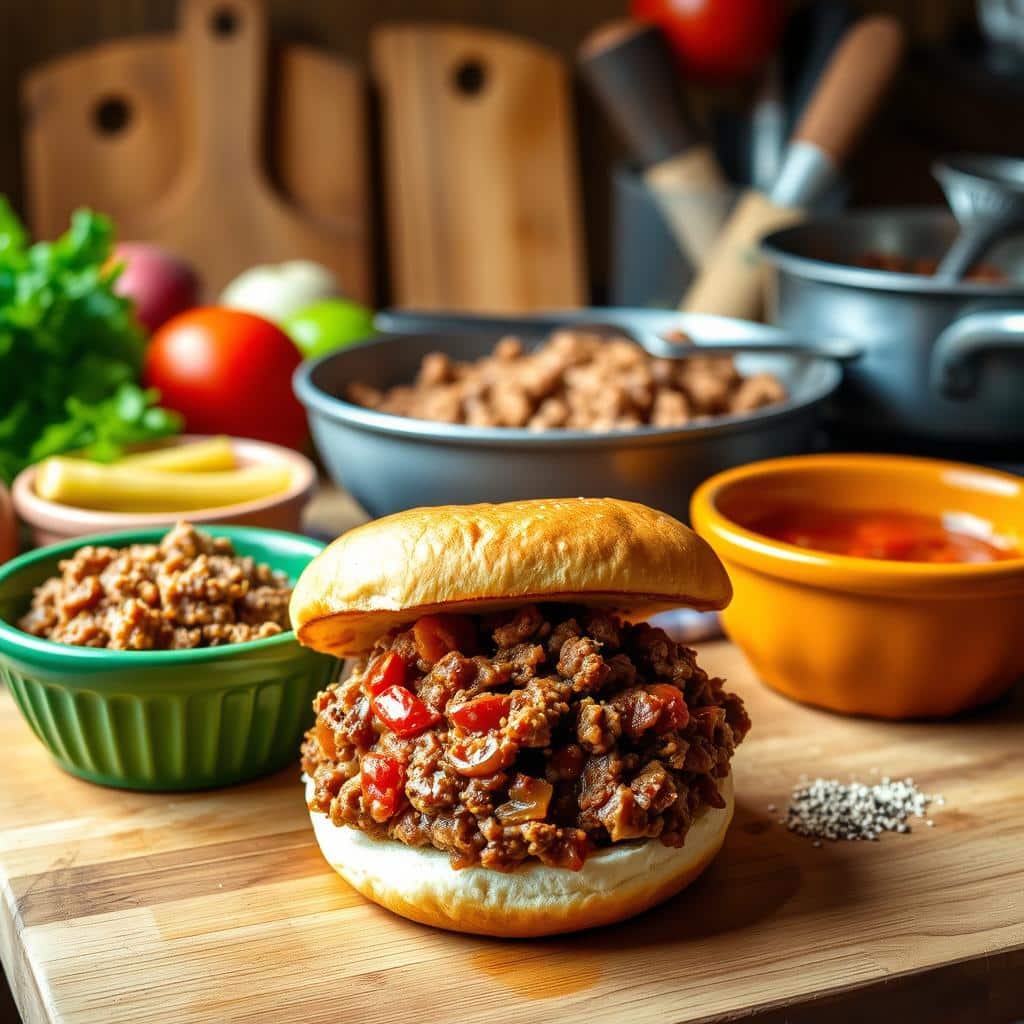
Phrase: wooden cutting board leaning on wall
x=481 y=171
x=169 y=136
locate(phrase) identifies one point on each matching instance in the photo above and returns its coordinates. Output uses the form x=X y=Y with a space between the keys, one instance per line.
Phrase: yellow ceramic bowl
x=864 y=636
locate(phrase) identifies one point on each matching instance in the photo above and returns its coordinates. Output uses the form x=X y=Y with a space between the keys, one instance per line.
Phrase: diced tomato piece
x=674 y=713
x=384 y=671
x=402 y=711
x=436 y=635
x=482 y=713
x=383 y=782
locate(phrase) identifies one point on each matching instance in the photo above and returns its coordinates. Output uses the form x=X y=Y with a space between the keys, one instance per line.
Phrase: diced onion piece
x=528 y=801
x=325 y=737
x=480 y=756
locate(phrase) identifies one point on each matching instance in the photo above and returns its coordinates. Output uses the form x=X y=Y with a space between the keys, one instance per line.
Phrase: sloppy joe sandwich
x=517 y=752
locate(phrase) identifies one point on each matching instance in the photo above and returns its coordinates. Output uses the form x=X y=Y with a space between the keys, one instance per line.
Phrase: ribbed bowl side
x=215 y=736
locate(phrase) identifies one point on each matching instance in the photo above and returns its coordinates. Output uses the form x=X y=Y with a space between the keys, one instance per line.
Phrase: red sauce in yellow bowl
x=889 y=535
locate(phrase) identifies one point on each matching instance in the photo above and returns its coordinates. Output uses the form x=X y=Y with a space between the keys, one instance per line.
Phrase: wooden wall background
x=32 y=31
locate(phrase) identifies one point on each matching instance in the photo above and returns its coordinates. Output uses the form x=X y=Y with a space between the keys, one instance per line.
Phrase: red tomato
x=382 y=779
x=387 y=670
x=717 y=39
x=483 y=713
x=228 y=372
x=402 y=711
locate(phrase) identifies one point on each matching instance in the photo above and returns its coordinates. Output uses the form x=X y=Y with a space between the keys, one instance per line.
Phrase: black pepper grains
x=829 y=809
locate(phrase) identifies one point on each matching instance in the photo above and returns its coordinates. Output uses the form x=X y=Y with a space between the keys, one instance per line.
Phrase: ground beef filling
x=190 y=590
x=545 y=733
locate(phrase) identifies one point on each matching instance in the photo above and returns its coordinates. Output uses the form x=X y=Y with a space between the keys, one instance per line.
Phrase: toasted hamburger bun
x=618 y=882
x=474 y=558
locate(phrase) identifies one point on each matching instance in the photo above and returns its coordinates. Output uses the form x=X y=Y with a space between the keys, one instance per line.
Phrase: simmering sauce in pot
x=888 y=535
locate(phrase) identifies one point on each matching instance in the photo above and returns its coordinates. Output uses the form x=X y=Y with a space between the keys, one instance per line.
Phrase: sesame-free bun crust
x=419 y=882
x=474 y=558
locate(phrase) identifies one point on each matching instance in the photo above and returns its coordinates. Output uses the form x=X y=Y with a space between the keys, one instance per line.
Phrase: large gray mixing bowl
x=389 y=463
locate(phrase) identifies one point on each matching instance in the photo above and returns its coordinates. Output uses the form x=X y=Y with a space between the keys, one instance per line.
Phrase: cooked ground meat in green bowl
x=162 y=661
x=189 y=589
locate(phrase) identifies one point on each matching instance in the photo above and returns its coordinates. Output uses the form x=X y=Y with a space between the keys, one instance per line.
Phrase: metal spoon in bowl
x=660 y=344
x=986 y=195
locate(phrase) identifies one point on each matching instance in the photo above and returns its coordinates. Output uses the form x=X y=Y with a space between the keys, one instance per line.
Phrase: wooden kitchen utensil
x=166 y=135
x=632 y=72
x=849 y=92
x=481 y=175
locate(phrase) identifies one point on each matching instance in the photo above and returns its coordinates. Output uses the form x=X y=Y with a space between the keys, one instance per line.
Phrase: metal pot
x=390 y=462
x=941 y=362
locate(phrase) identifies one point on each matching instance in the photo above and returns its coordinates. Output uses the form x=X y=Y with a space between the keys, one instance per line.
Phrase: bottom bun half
x=419 y=882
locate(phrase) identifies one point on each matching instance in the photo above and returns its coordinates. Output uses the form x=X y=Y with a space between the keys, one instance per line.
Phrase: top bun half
x=474 y=558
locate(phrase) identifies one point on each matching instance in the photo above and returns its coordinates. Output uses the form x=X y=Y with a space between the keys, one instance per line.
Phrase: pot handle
x=957 y=350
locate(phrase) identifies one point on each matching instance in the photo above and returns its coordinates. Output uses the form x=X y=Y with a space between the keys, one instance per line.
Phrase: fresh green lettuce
x=70 y=349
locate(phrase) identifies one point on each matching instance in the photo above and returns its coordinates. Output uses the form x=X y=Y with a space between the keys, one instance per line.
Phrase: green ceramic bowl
x=163 y=720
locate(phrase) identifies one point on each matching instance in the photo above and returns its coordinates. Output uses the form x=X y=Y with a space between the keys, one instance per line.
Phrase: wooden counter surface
x=217 y=906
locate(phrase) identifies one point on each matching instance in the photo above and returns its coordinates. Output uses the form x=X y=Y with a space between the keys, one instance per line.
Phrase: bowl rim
x=809 y=566
x=779 y=250
x=13 y=639
x=316 y=400
x=52 y=516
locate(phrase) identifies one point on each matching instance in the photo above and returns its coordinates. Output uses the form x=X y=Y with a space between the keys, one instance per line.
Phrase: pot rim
x=822 y=569
x=776 y=249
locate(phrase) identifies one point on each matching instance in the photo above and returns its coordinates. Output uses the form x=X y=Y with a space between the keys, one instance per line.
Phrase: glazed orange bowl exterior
x=890 y=639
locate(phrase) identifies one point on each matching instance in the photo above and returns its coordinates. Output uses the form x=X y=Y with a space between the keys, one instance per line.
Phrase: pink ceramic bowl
x=51 y=523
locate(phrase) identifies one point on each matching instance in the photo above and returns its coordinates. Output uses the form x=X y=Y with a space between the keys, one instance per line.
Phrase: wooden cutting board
x=218 y=907
x=480 y=167
x=191 y=142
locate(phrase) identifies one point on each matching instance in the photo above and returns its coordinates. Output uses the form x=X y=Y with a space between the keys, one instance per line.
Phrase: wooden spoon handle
x=852 y=86
x=731 y=281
